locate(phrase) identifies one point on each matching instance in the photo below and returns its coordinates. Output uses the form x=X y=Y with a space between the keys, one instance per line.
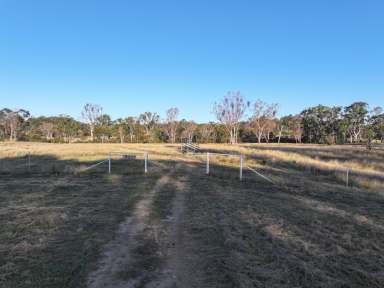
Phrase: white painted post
x=347 y=178
x=241 y=167
x=109 y=163
x=146 y=163
x=207 y=172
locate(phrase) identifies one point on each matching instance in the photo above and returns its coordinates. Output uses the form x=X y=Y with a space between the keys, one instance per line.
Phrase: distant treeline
x=238 y=121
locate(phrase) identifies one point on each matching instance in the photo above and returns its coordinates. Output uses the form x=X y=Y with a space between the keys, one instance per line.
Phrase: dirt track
x=149 y=251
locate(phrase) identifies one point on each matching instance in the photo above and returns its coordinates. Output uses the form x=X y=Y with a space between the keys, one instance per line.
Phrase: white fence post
x=241 y=167
x=109 y=163
x=207 y=171
x=146 y=163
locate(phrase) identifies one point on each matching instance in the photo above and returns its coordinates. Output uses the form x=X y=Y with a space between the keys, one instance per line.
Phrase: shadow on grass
x=253 y=234
x=54 y=223
x=56 y=218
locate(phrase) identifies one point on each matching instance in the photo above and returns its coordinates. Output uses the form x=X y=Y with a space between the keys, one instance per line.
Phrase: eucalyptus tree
x=67 y=127
x=149 y=121
x=320 y=123
x=356 y=116
x=171 y=123
x=230 y=111
x=12 y=120
x=103 y=127
x=188 y=130
x=91 y=112
x=47 y=128
x=262 y=119
x=207 y=132
x=282 y=126
x=376 y=123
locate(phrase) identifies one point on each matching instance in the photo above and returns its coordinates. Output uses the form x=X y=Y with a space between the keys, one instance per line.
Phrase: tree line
x=238 y=120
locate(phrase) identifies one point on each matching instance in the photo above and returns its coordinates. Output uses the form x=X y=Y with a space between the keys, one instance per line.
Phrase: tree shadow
x=254 y=234
x=56 y=217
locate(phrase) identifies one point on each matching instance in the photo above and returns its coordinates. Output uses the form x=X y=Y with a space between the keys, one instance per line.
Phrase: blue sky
x=147 y=55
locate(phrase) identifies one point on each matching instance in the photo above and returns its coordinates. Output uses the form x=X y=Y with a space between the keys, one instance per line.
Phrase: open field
x=61 y=226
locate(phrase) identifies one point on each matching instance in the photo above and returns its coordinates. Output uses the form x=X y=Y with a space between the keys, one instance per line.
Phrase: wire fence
x=129 y=162
x=222 y=165
x=214 y=163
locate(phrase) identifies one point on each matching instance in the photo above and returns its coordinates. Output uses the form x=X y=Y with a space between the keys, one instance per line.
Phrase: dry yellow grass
x=81 y=151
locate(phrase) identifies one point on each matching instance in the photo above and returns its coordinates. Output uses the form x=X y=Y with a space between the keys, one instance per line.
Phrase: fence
x=45 y=164
x=135 y=161
x=130 y=156
x=241 y=162
x=340 y=174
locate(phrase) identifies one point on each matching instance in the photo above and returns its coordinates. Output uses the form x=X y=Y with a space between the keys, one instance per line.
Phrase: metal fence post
x=146 y=163
x=241 y=167
x=207 y=171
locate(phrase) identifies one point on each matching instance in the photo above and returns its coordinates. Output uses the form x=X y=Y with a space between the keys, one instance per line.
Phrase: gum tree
x=90 y=114
x=229 y=111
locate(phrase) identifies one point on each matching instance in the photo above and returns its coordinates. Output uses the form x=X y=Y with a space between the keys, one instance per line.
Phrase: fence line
x=27 y=161
x=94 y=165
x=124 y=154
x=207 y=171
x=261 y=175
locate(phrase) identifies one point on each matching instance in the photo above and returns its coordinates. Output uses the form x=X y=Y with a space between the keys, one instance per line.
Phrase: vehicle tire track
x=166 y=261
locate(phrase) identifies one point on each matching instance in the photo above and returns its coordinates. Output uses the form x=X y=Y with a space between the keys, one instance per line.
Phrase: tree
x=102 y=128
x=119 y=128
x=47 y=128
x=376 y=121
x=171 y=123
x=282 y=125
x=11 y=121
x=90 y=113
x=261 y=120
x=189 y=128
x=131 y=123
x=356 y=115
x=295 y=125
x=320 y=123
x=67 y=127
x=269 y=128
x=207 y=132
x=149 y=120
x=229 y=111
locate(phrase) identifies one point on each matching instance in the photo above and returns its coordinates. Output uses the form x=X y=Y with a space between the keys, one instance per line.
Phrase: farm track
x=149 y=251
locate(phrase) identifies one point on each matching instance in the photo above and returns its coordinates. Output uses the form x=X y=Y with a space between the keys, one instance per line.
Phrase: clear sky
x=132 y=56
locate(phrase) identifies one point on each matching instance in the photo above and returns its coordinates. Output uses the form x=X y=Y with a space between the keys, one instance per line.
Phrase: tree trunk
x=234 y=135
x=259 y=135
x=279 y=137
x=92 y=128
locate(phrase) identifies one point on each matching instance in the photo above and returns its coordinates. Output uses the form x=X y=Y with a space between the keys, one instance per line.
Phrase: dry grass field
x=63 y=226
